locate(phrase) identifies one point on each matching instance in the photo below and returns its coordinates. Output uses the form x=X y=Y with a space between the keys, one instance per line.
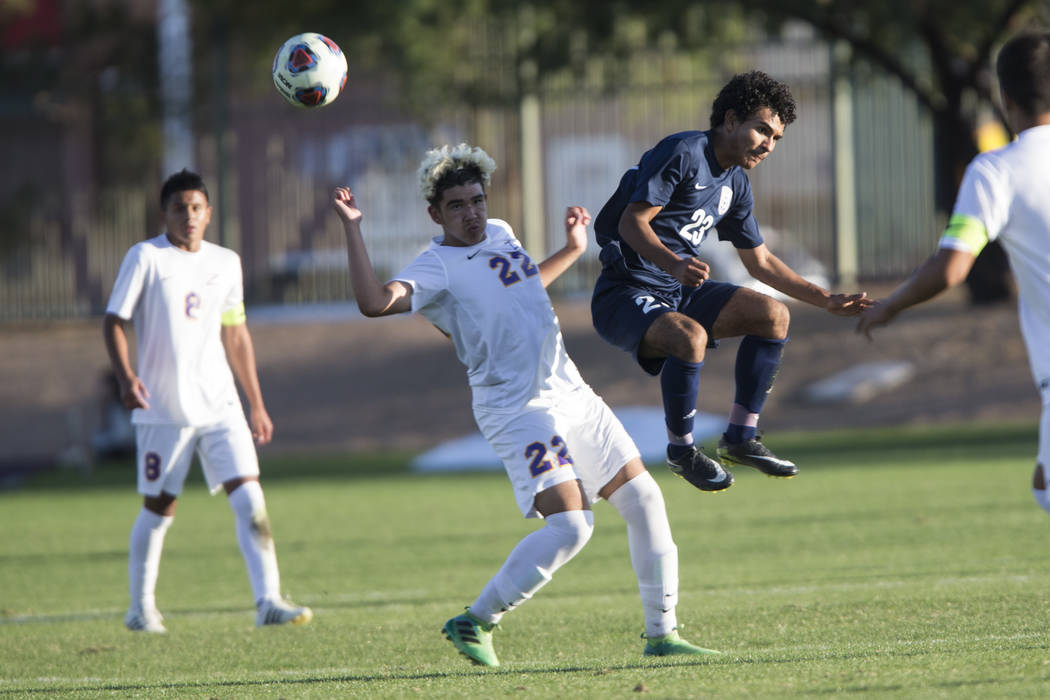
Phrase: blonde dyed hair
x=441 y=163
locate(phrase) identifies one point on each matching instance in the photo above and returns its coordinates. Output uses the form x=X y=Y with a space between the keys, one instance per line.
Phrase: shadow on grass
x=648 y=664
x=469 y=672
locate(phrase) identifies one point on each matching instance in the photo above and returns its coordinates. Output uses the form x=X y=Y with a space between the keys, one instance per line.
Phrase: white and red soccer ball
x=309 y=70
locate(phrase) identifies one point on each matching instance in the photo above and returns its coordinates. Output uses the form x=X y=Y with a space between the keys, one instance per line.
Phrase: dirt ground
x=348 y=384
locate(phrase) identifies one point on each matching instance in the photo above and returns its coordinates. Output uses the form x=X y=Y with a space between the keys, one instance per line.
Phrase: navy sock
x=757 y=364
x=680 y=384
x=738 y=433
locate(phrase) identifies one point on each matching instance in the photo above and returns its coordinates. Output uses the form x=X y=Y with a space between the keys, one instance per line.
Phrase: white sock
x=255 y=540
x=654 y=555
x=144 y=549
x=532 y=563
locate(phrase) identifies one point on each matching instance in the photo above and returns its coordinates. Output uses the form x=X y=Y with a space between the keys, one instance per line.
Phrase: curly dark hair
x=182 y=181
x=746 y=93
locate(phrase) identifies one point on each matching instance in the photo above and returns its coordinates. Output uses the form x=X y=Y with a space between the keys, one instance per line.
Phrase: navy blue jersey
x=681 y=175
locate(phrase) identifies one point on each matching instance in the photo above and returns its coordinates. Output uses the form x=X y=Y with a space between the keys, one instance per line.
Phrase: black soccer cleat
x=752 y=453
x=700 y=470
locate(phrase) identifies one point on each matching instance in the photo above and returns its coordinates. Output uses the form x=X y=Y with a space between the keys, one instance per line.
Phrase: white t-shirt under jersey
x=176 y=299
x=488 y=298
x=1005 y=196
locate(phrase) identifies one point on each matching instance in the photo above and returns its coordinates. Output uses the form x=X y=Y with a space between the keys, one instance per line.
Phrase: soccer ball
x=309 y=70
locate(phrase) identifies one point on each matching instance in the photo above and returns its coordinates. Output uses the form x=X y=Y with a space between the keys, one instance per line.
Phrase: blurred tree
x=482 y=52
x=942 y=51
x=491 y=51
x=91 y=66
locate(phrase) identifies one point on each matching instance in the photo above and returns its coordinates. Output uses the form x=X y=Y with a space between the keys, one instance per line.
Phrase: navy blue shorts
x=622 y=313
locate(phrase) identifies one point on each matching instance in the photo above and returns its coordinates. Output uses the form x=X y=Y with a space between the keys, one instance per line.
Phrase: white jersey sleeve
x=427 y=277
x=128 y=287
x=982 y=206
x=235 y=296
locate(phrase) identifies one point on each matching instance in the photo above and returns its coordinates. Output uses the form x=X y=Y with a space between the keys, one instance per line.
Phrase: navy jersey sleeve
x=661 y=170
x=738 y=226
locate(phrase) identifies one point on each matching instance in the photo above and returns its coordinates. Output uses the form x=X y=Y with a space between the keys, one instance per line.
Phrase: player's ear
x=730 y=120
x=435 y=215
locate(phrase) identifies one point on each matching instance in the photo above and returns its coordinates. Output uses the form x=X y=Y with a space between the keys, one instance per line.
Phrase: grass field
x=907 y=563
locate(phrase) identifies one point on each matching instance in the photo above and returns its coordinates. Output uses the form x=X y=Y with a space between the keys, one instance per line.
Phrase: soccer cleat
x=139 y=621
x=700 y=470
x=473 y=638
x=282 y=612
x=752 y=453
x=673 y=645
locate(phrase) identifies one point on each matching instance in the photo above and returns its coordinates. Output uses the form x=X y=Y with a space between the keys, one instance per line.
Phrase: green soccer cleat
x=473 y=638
x=673 y=645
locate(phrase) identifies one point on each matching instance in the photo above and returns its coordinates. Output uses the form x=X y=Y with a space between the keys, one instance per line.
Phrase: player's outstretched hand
x=879 y=314
x=576 y=221
x=345 y=205
x=848 y=304
x=691 y=272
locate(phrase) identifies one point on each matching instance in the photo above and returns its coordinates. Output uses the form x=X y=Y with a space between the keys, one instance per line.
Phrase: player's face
x=186 y=216
x=749 y=141
x=462 y=213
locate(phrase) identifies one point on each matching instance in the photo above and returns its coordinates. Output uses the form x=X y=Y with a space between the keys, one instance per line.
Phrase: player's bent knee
x=781 y=320
x=677 y=335
x=646 y=492
x=163 y=505
x=573 y=528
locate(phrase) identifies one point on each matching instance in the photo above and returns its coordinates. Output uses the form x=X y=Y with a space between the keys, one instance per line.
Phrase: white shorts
x=226 y=451
x=578 y=438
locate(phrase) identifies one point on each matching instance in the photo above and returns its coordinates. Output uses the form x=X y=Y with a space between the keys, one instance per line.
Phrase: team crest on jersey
x=725 y=200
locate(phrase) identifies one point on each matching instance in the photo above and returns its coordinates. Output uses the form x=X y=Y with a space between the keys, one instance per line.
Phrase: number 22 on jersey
x=507 y=274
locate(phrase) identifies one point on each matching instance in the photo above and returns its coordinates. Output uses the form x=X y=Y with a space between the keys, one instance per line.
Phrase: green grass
x=900 y=563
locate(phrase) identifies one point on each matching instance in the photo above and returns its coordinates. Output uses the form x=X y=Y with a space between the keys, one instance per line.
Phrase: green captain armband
x=234 y=316
x=968 y=231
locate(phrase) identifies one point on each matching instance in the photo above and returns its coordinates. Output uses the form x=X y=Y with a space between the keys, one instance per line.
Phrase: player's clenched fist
x=691 y=272
x=345 y=205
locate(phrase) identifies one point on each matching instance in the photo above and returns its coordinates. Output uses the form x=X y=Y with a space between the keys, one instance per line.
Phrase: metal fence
x=272 y=171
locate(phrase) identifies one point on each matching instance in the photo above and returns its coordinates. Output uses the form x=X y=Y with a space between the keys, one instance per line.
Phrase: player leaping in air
x=561 y=445
x=655 y=300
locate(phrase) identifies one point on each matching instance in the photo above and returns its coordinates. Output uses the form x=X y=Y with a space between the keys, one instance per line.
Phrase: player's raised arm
x=767 y=268
x=576 y=221
x=373 y=297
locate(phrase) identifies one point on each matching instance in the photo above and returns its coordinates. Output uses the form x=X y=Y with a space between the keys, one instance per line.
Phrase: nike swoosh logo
x=471 y=256
x=699 y=186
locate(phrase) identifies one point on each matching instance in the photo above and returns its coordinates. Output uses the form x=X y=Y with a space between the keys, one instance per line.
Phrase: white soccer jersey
x=1005 y=196
x=488 y=298
x=177 y=299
